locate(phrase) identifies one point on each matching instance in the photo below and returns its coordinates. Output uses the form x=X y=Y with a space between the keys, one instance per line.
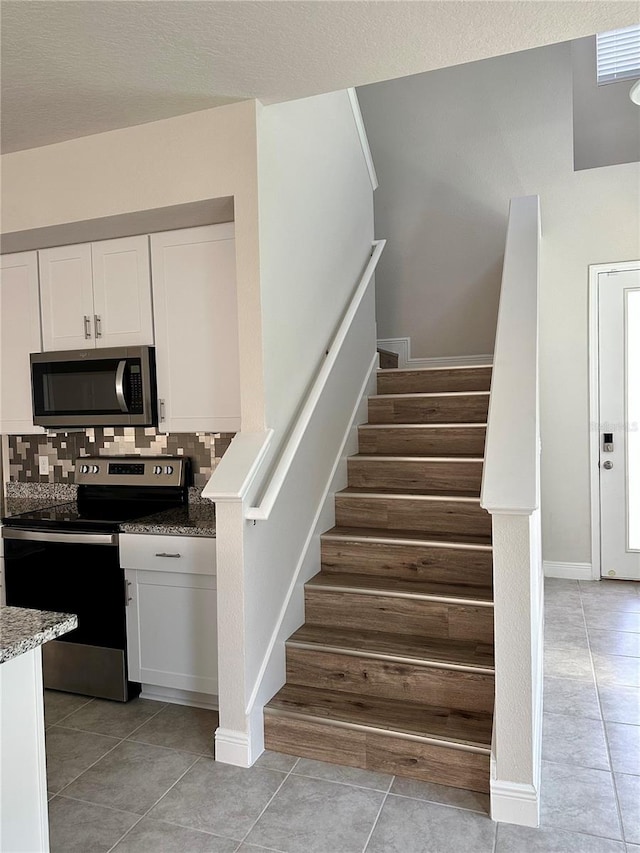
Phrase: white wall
x=177 y=161
x=451 y=147
x=316 y=233
x=606 y=122
x=316 y=230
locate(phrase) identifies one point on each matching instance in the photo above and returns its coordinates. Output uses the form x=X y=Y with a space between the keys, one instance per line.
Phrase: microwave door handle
x=122 y=365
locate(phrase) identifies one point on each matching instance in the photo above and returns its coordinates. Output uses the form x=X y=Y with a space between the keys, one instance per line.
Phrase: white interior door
x=619 y=381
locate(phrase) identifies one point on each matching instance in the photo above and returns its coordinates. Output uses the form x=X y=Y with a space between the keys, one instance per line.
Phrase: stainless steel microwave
x=113 y=386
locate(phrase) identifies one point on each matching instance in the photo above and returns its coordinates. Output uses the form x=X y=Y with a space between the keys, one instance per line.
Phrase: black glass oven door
x=69 y=573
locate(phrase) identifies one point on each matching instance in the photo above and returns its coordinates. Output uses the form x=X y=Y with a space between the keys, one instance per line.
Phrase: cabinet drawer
x=188 y=554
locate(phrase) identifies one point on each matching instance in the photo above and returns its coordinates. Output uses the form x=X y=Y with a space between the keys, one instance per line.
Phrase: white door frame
x=594 y=396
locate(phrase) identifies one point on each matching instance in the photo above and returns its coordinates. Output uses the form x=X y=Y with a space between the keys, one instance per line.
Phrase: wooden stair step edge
x=457 y=406
x=471 y=655
x=461 y=440
x=438 y=513
x=469 y=378
x=447 y=593
x=451 y=473
x=372 y=552
x=426 y=743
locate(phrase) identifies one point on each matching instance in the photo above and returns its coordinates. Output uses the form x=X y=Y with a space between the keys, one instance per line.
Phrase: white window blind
x=618 y=54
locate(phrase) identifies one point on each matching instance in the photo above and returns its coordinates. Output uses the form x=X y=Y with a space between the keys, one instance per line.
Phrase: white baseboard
x=571 y=571
x=515 y=802
x=402 y=347
x=179 y=697
x=233 y=747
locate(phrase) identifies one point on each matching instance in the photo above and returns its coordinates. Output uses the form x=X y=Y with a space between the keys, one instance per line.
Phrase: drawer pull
x=167 y=555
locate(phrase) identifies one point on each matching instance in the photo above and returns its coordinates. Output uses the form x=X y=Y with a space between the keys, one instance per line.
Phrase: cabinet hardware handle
x=87 y=326
x=168 y=555
x=162 y=409
x=127 y=597
x=98 y=324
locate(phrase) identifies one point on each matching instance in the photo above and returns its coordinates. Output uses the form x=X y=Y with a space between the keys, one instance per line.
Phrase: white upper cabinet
x=196 y=329
x=122 y=292
x=66 y=293
x=96 y=294
x=19 y=336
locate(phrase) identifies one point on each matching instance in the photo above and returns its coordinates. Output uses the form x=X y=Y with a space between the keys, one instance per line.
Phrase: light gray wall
x=451 y=147
x=606 y=123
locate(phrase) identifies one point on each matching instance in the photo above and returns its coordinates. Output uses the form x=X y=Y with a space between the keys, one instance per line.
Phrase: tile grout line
x=120 y=741
x=71 y=713
x=246 y=835
x=155 y=803
x=375 y=820
x=377 y=817
x=604 y=728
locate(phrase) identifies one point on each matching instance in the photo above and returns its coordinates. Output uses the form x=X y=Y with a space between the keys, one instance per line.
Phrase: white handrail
x=510 y=482
x=262 y=512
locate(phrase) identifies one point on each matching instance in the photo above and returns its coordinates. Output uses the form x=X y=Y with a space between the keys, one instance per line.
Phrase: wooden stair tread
x=453 y=425
x=390 y=585
x=469 y=728
x=418 y=457
x=426 y=394
x=417 y=537
x=465 y=367
x=418 y=649
x=435 y=494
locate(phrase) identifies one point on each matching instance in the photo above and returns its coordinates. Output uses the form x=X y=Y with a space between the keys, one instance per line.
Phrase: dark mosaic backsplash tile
x=62 y=449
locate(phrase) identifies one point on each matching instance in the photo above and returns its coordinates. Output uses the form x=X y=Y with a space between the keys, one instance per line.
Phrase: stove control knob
x=157 y=469
x=95 y=469
x=84 y=469
x=168 y=469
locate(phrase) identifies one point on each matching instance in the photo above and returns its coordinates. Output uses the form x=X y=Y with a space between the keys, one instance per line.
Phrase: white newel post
x=516 y=759
x=511 y=493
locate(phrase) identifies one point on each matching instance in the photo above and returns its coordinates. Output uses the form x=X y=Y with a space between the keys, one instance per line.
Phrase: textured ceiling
x=78 y=67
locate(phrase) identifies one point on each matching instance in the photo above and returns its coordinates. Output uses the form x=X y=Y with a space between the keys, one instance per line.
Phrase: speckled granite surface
x=50 y=493
x=16 y=506
x=194 y=519
x=22 y=630
x=197 y=518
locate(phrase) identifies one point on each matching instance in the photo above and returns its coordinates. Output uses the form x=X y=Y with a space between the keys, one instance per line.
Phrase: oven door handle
x=64 y=538
x=122 y=365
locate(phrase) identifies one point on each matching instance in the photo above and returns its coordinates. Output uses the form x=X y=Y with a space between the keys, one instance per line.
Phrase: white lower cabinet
x=171 y=618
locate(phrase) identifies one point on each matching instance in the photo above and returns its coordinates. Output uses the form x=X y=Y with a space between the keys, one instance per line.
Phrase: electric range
x=65 y=558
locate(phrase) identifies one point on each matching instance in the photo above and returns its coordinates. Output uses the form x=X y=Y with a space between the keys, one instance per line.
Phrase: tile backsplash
x=62 y=449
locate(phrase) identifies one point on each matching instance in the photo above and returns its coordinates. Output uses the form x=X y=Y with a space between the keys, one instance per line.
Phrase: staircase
x=393 y=669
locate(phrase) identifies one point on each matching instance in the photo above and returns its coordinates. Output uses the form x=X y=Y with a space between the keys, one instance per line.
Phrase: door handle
x=608 y=464
x=87 y=326
x=120 y=385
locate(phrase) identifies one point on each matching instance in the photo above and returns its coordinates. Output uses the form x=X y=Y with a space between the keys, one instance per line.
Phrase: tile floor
x=140 y=778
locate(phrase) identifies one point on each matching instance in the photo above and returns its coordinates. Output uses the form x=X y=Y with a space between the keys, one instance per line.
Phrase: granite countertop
x=196 y=518
x=193 y=519
x=22 y=630
x=16 y=506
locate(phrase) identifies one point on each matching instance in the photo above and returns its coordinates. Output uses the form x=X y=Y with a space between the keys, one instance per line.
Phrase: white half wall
x=451 y=147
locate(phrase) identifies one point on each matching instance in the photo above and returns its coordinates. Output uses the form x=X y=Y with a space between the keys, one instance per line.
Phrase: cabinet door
x=122 y=292
x=196 y=326
x=66 y=294
x=19 y=336
x=172 y=632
